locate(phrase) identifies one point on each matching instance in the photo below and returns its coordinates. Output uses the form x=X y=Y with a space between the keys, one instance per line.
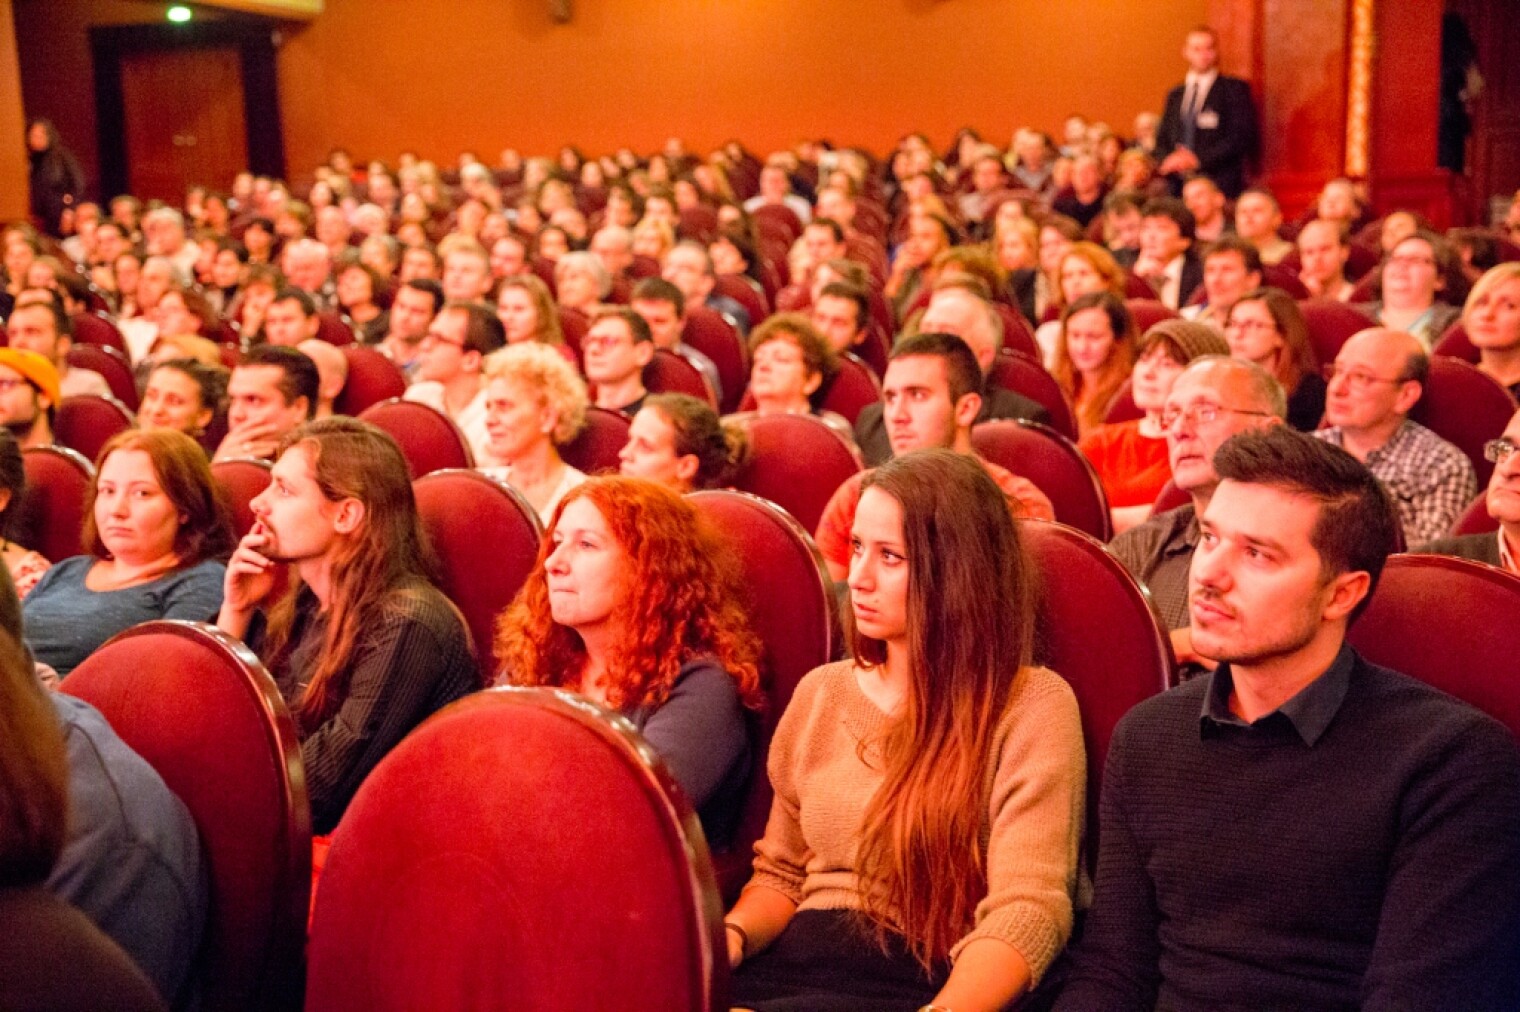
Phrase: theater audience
x=1086 y=268
x=1094 y=356
x=1502 y=502
x=272 y=390
x=1378 y=376
x=616 y=349
x=679 y=441
x=1266 y=326
x=1492 y=321
x=1407 y=896
x=1131 y=457
x=1416 y=275
x=156 y=532
x=922 y=844
x=362 y=644
x=24 y=565
x=451 y=376
x=535 y=403
x=29 y=396
x=182 y=394
x=633 y=604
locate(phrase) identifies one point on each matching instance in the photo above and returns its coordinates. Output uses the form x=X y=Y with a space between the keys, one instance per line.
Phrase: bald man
x=332 y=372
x=1379 y=376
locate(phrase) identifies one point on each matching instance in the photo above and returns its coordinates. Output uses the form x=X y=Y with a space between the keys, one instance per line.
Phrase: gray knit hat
x=1187 y=337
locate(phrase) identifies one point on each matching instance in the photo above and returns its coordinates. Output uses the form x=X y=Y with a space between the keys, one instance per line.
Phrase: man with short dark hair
x=1206 y=200
x=1231 y=268
x=663 y=307
x=1302 y=828
x=291 y=318
x=1209 y=126
x=689 y=267
x=616 y=349
x=451 y=377
x=932 y=395
x=1503 y=504
x=38 y=323
x=1166 y=259
x=412 y=310
x=1258 y=217
x=273 y=389
x=842 y=314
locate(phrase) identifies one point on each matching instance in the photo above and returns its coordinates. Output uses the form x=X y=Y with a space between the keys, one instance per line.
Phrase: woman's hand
x=250 y=579
x=735 y=946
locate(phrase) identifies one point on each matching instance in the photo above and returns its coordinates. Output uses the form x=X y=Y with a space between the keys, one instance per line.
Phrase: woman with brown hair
x=1266 y=327
x=156 y=529
x=680 y=442
x=525 y=307
x=930 y=789
x=362 y=644
x=633 y=605
x=1094 y=355
x=1084 y=268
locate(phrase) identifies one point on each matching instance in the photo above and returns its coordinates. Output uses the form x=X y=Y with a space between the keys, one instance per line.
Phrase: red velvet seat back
x=201 y=709
x=1451 y=623
x=596 y=449
x=797 y=462
x=745 y=292
x=335 y=328
x=86 y=422
x=372 y=378
x=1054 y=464
x=791 y=607
x=50 y=517
x=241 y=479
x=429 y=439
x=1137 y=289
x=1095 y=626
x=853 y=389
x=1123 y=408
x=1475 y=519
x=698 y=223
x=777 y=220
x=1148 y=312
x=1466 y=407
x=573 y=324
x=707 y=331
x=1169 y=498
x=485 y=537
x=521 y=849
x=1455 y=344
x=1018 y=335
x=97 y=329
x=669 y=373
x=112 y=366
x=1284 y=278
x=1331 y=325
x=1025 y=375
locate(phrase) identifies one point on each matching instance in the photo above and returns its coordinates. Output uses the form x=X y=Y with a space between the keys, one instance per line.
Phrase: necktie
x=1190 y=115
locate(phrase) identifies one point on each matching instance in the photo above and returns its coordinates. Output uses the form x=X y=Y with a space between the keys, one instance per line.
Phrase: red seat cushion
x=372 y=378
x=241 y=479
x=86 y=422
x=1465 y=407
x=112 y=366
x=1025 y=375
x=50 y=517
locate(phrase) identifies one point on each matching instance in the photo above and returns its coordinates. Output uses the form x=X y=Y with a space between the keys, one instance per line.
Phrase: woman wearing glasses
x=1420 y=282
x=1267 y=327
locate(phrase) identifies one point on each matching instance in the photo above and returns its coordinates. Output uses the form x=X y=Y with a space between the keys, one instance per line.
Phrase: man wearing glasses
x=1376 y=380
x=452 y=355
x=1503 y=502
x=1213 y=399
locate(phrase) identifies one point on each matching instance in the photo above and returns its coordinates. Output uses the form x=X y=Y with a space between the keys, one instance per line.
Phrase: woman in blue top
x=156 y=527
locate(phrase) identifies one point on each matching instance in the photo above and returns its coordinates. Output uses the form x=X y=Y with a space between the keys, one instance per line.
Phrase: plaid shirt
x=1430 y=480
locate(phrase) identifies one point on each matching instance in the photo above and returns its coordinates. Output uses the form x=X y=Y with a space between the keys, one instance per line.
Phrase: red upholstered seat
x=1122 y=408
x=1095 y=626
x=372 y=378
x=747 y=293
x=1025 y=375
x=1330 y=325
x=1284 y=278
x=1449 y=622
x=1018 y=335
x=522 y=849
x=335 y=328
x=112 y=366
x=669 y=373
x=429 y=439
x=1466 y=407
x=1138 y=289
x=573 y=324
x=98 y=329
x=1455 y=344
x=50 y=517
x=596 y=449
x=792 y=608
x=1169 y=498
x=201 y=709
x=853 y=388
x=699 y=223
x=1053 y=462
x=707 y=331
x=874 y=349
x=777 y=220
x=1148 y=312
x=1475 y=519
x=242 y=479
x=797 y=462
x=86 y=422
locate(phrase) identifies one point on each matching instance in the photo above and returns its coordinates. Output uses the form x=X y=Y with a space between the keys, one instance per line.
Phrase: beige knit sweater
x=1034 y=795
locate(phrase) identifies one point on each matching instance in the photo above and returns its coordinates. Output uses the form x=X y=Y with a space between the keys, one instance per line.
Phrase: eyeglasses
x=1358 y=379
x=1411 y=260
x=1203 y=414
x=1252 y=326
x=601 y=342
x=431 y=338
x=7 y=385
x=1497 y=451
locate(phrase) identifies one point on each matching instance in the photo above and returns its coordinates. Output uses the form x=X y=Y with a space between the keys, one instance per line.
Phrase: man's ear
x=643 y=352
x=349 y=516
x=966 y=410
x=1345 y=592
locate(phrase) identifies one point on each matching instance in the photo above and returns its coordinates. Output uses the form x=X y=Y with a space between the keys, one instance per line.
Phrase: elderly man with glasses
x=1503 y=504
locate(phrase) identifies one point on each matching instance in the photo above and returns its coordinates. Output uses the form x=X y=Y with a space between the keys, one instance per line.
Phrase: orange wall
x=14 y=168
x=379 y=76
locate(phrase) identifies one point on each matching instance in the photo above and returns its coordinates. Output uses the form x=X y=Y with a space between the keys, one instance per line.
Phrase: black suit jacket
x=876 y=448
x=1476 y=547
x=1192 y=272
x=1223 y=148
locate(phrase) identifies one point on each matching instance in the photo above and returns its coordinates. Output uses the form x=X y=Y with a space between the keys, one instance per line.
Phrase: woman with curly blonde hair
x=535 y=403
x=632 y=605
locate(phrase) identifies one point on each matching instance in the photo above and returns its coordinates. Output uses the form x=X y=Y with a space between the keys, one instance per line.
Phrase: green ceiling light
x=179 y=14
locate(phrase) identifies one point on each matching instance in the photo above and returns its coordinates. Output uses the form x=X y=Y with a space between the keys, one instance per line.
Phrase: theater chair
x=1465 y=407
x=596 y=449
x=372 y=378
x=112 y=366
x=97 y=329
x=1053 y=462
x=429 y=439
x=1095 y=626
x=201 y=709
x=573 y=324
x=669 y=373
x=747 y=293
x=779 y=221
x=1025 y=375
x=1149 y=311
x=1451 y=623
x=335 y=328
x=1475 y=519
x=86 y=422
x=797 y=462
x=1454 y=343
x=522 y=849
x=1122 y=408
x=485 y=536
x=50 y=517
x=1018 y=335
x=710 y=333
x=1331 y=325
x=792 y=608
x=241 y=478
x=853 y=388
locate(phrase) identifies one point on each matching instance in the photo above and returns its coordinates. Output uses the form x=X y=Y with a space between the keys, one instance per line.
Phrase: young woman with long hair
x=680 y=442
x=1094 y=355
x=929 y=789
x=362 y=644
x=633 y=604
x=1266 y=326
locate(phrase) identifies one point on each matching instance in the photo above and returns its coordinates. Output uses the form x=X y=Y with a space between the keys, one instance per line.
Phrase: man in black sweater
x=1301 y=829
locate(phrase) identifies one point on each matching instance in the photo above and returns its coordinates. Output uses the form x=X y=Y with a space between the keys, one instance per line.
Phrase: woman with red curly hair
x=631 y=606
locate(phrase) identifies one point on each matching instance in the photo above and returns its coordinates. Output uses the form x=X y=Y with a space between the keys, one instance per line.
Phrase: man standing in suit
x=1209 y=126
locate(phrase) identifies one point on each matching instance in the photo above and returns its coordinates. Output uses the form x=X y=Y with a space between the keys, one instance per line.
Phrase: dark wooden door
x=184 y=121
x=1493 y=148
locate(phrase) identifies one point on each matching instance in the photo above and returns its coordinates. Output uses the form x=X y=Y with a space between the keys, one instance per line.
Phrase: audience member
x=1502 y=502
x=1094 y=356
x=1207 y=202
x=451 y=376
x=633 y=605
x=1083 y=201
x=362 y=645
x=1258 y=220
x=535 y=403
x=291 y=318
x=1323 y=249
x=581 y=282
x=1166 y=260
x=38 y=323
x=1378 y=377
x=272 y=390
x=29 y=396
x=689 y=267
x=24 y=566
x=790 y=363
x=928 y=235
x=1266 y=326
x=182 y=394
x=1209 y=125
x=1362 y=828
x=525 y=307
x=679 y=441
x=1415 y=276
x=616 y=349
x=923 y=841
x=1085 y=268
x=412 y=310
x=842 y=314
x=360 y=290
x=1492 y=321
x=1231 y=267
x=156 y=531
x=307 y=265
x=663 y=307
